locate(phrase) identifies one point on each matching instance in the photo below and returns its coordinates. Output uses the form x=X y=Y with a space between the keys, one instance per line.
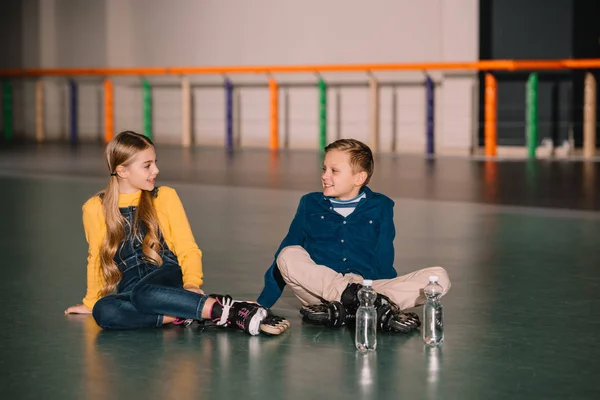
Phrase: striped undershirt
x=346 y=207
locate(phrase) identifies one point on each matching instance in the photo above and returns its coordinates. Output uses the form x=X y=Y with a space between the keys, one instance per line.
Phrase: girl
x=144 y=267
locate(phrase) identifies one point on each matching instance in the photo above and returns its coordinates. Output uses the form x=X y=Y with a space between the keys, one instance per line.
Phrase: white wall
x=130 y=33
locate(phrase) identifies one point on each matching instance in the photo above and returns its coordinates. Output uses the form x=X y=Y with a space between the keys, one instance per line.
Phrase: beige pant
x=311 y=282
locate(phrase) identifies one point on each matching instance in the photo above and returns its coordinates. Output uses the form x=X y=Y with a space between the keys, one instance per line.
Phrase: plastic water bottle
x=366 y=318
x=433 y=314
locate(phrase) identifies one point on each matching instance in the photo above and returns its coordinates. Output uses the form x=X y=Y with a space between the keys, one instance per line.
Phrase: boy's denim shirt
x=362 y=243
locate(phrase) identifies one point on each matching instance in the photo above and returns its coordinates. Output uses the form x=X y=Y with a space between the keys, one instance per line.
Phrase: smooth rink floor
x=518 y=239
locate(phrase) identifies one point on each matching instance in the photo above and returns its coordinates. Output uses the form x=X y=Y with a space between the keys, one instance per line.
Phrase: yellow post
x=589 y=116
x=374 y=113
x=39 y=111
x=186 y=112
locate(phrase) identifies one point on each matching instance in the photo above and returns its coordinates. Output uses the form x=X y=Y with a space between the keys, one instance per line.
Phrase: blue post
x=73 y=111
x=228 y=115
x=429 y=94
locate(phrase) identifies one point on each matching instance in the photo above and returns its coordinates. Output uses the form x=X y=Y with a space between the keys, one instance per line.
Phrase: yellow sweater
x=173 y=224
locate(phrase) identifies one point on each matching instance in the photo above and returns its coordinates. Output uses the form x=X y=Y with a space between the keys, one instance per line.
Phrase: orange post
x=274 y=116
x=589 y=116
x=491 y=116
x=108 y=111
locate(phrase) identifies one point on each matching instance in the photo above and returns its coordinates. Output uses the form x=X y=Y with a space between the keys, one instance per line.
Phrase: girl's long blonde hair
x=120 y=151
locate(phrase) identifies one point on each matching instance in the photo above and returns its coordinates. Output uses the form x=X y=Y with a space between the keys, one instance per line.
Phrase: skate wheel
x=274 y=325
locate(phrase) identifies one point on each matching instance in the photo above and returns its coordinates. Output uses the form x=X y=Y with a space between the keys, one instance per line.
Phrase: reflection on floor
x=520 y=318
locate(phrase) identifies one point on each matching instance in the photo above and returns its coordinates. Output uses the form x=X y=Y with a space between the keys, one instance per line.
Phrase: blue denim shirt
x=362 y=243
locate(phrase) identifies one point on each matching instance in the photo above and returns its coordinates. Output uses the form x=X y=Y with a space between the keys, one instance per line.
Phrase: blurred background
x=383 y=72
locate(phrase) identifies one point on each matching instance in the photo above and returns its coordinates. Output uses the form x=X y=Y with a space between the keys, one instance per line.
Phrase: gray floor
x=520 y=319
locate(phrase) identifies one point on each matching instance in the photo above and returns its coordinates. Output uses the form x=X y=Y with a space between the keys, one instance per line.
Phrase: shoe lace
x=226 y=304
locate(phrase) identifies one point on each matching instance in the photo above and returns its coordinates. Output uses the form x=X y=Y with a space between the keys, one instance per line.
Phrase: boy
x=340 y=237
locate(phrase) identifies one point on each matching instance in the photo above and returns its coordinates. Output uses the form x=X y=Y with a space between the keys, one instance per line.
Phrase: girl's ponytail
x=148 y=216
x=115 y=229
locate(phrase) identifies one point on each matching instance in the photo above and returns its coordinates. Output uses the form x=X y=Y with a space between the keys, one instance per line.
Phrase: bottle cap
x=368 y=282
x=433 y=278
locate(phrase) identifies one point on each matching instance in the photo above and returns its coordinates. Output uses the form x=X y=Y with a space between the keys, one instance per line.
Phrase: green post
x=322 y=115
x=532 y=114
x=147 y=104
x=8 y=104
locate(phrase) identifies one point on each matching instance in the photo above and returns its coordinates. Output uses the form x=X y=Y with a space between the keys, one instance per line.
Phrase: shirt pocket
x=323 y=226
x=366 y=230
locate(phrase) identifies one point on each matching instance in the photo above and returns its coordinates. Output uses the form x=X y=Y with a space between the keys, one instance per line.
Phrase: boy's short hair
x=361 y=157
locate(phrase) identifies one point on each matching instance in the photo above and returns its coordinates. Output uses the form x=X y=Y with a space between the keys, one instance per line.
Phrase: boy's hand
x=77 y=309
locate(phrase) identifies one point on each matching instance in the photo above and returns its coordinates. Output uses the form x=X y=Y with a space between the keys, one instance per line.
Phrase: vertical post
x=490 y=127
x=228 y=115
x=8 y=110
x=338 y=113
x=186 y=113
x=555 y=115
x=39 y=111
x=286 y=118
x=394 y=119
x=374 y=113
x=108 y=110
x=147 y=108
x=237 y=118
x=589 y=116
x=532 y=114
x=274 y=114
x=73 y=111
x=571 y=131
x=322 y=114
x=430 y=103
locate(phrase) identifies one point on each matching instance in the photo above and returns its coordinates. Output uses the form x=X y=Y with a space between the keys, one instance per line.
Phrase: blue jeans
x=144 y=295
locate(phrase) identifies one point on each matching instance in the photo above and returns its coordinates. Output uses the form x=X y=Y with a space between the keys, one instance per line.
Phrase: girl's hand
x=77 y=309
x=195 y=290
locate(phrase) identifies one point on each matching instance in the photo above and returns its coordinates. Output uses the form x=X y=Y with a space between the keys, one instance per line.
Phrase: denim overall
x=146 y=291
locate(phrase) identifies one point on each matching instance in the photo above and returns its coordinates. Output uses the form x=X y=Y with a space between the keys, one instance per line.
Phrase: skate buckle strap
x=226 y=304
x=330 y=313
